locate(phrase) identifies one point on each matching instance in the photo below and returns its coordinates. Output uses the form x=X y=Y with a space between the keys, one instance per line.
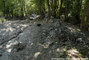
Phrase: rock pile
x=45 y=41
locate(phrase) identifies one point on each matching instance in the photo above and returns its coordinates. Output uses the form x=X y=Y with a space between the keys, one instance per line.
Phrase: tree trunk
x=78 y=7
x=85 y=18
x=48 y=8
x=52 y=7
x=22 y=14
x=4 y=7
x=60 y=10
x=55 y=6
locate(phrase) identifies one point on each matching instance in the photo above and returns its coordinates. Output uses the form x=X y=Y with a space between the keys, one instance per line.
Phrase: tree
x=85 y=17
x=48 y=8
x=60 y=10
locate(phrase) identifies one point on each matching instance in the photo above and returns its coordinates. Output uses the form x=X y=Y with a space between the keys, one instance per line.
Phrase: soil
x=41 y=40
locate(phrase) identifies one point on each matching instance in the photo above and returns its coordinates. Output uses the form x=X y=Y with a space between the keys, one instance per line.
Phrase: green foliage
x=2 y=19
x=56 y=8
x=1 y=13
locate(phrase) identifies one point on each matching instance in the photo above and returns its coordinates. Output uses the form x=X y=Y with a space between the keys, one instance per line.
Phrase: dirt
x=40 y=40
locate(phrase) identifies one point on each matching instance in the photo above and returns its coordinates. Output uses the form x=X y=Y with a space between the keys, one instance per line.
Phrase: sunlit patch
x=79 y=39
x=10 y=43
x=31 y=43
x=45 y=45
x=61 y=49
x=69 y=15
x=78 y=29
x=73 y=58
x=37 y=54
x=10 y=29
x=7 y=46
x=0 y=46
x=58 y=50
x=24 y=25
x=71 y=29
x=9 y=50
x=74 y=53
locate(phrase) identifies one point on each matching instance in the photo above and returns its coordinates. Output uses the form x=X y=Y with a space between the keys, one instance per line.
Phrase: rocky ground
x=40 y=40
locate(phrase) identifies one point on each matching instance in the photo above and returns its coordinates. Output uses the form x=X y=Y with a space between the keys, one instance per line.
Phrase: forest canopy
x=74 y=11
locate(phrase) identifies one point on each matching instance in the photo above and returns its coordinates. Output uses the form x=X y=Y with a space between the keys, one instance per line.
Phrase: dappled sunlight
x=10 y=29
x=71 y=29
x=24 y=25
x=78 y=30
x=10 y=43
x=45 y=45
x=62 y=49
x=36 y=54
x=44 y=29
x=31 y=41
x=9 y=50
x=74 y=53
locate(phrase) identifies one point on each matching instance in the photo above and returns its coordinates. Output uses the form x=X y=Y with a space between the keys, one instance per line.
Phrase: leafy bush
x=2 y=19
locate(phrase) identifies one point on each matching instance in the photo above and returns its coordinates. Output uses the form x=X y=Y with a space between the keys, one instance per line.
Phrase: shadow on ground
x=44 y=41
